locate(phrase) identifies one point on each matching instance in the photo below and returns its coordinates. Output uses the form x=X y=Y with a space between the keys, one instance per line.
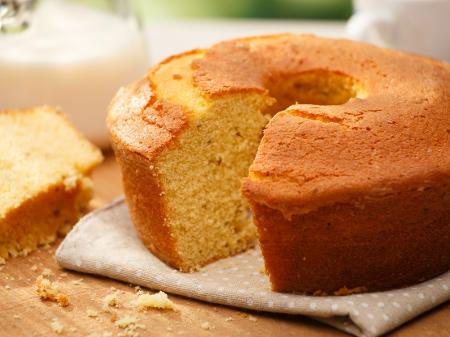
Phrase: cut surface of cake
x=351 y=182
x=44 y=177
x=184 y=197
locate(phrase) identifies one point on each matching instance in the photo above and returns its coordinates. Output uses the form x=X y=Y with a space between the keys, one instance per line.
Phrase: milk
x=74 y=57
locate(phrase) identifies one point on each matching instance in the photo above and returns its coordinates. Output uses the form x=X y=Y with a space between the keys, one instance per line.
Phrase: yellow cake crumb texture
x=44 y=178
x=50 y=291
x=130 y=325
x=206 y=326
x=101 y=334
x=215 y=151
x=92 y=313
x=159 y=300
x=57 y=326
x=111 y=300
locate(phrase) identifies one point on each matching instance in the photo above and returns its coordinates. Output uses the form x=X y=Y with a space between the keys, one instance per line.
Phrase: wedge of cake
x=44 y=178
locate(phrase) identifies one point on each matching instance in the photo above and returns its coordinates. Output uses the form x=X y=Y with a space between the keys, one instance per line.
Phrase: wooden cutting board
x=22 y=313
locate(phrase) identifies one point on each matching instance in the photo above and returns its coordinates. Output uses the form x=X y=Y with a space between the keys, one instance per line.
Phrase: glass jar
x=71 y=54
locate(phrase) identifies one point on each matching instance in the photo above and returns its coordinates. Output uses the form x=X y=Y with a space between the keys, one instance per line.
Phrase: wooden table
x=22 y=313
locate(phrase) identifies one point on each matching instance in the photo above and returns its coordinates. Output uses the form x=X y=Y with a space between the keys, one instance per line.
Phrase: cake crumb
x=57 y=326
x=111 y=300
x=206 y=326
x=130 y=325
x=98 y=334
x=48 y=290
x=2 y=261
x=7 y=287
x=346 y=291
x=252 y=318
x=159 y=300
x=126 y=321
x=91 y=313
x=34 y=268
x=113 y=317
x=169 y=329
x=320 y=293
x=228 y=319
x=63 y=275
x=16 y=316
x=47 y=272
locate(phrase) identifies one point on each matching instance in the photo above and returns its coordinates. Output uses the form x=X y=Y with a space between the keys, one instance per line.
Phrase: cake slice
x=183 y=157
x=44 y=178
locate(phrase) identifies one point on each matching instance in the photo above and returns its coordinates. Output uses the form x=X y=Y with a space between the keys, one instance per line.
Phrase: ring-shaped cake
x=350 y=186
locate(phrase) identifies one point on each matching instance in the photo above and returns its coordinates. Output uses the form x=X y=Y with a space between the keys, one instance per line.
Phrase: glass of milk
x=70 y=55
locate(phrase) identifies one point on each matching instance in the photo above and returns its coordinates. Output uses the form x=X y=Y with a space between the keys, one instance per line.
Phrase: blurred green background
x=305 y=9
x=291 y=9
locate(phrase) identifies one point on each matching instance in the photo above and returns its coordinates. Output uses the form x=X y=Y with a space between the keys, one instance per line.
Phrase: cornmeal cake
x=350 y=186
x=44 y=177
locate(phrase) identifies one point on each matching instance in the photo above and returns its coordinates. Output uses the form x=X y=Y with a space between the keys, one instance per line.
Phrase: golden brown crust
x=40 y=219
x=304 y=163
x=378 y=140
x=371 y=245
x=372 y=137
x=146 y=203
x=175 y=57
x=143 y=123
x=248 y=64
x=140 y=127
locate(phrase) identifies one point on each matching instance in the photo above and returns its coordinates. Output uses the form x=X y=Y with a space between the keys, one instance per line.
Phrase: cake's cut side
x=44 y=173
x=190 y=224
x=209 y=219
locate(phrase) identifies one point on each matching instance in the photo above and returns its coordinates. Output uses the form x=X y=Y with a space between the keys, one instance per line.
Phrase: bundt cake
x=44 y=177
x=350 y=188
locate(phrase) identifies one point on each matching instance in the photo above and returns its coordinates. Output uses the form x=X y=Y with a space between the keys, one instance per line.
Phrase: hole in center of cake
x=319 y=87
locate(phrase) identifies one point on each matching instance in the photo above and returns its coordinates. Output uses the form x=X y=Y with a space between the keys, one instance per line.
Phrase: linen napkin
x=105 y=243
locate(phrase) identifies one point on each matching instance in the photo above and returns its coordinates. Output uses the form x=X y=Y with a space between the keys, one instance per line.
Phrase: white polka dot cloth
x=106 y=243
